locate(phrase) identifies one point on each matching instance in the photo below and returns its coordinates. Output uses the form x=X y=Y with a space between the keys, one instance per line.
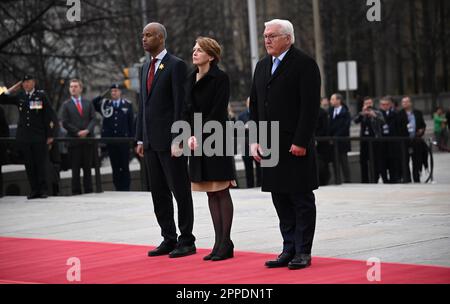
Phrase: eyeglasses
x=272 y=37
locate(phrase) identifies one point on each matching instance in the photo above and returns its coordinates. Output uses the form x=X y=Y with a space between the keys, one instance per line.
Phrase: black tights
x=221 y=208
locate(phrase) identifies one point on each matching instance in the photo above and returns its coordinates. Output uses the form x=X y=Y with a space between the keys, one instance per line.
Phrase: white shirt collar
x=30 y=93
x=338 y=110
x=161 y=55
x=74 y=100
x=281 y=56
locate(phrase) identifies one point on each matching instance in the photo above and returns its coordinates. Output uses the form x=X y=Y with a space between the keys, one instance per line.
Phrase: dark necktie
x=151 y=75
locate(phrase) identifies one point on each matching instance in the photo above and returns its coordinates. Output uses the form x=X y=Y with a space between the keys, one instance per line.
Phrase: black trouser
x=414 y=152
x=119 y=156
x=35 y=157
x=297 y=215
x=81 y=157
x=249 y=174
x=344 y=166
x=170 y=175
x=364 y=161
x=324 y=170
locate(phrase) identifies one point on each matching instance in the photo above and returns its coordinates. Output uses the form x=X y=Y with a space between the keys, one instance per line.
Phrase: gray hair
x=161 y=29
x=286 y=27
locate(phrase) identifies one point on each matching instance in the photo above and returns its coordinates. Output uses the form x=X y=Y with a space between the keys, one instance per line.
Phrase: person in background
x=389 y=151
x=371 y=121
x=447 y=116
x=339 y=126
x=250 y=163
x=324 y=152
x=440 y=129
x=35 y=132
x=78 y=118
x=118 y=116
x=411 y=124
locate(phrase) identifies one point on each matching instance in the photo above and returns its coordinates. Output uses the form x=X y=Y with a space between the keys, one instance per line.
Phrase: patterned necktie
x=151 y=75
x=275 y=64
x=78 y=103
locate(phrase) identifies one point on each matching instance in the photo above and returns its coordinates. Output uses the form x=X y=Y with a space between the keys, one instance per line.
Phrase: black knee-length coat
x=291 y=96
x=209 y=96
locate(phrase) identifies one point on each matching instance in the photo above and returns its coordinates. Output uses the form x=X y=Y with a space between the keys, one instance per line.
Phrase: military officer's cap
x=115 y=86
x=27 y=77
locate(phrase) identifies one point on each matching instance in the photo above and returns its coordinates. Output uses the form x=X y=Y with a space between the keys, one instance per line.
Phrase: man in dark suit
x=35 y=131
x=411 y=124
x=286 y=88
x=246 y=156
x=78 y=118
x=323 y=148
x=340 y=121
x=161 y=104
x=390 y=151
x=118 y=116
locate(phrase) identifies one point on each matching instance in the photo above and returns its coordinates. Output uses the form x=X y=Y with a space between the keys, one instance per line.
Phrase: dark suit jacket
x=340 y=127
x=323 y=147
x=390 y=129
x=34 y=119
x=291 y=96
x=163 y=106
x=403 y=122
x=73 y=122
x=209 y=96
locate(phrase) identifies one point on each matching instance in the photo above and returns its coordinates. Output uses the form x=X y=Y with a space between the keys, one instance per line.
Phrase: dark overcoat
x=291 y=96
x=209 y=96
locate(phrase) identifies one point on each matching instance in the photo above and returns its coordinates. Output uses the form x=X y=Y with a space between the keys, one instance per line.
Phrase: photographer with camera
x=371 y=121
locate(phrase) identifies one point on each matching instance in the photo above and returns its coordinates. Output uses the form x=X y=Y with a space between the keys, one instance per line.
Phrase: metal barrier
x=95 y=142
x=404 y=141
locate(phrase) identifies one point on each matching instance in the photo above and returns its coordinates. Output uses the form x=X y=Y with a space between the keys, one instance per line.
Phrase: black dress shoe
x=43 y=195
x=226 y=251
x=163 y=249
x=282 y=261
x=33 y=196
x=182 y=251
x=300 y=261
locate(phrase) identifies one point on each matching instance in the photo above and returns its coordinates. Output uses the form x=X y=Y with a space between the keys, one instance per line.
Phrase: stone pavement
x=395 y=223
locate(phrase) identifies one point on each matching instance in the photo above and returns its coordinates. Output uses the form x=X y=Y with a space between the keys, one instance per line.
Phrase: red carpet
x=44 y=261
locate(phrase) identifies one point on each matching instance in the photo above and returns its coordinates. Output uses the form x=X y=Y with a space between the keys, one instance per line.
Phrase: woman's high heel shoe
x=225 y=252
x=211 y=254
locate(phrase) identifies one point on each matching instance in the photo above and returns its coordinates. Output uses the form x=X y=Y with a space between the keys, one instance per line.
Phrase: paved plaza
x=395 y=223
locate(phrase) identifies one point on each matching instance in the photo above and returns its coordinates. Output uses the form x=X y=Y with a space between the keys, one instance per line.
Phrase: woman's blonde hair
x=211 y=47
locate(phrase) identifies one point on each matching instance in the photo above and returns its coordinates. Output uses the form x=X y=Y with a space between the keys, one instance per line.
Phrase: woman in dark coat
x=207 y=93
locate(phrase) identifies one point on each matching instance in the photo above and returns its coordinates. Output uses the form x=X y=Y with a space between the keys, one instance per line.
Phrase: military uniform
x=117 y=122
x=34 y=127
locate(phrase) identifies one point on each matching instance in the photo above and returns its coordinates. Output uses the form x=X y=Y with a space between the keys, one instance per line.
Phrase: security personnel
x=35 y=131
x=117 y=114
